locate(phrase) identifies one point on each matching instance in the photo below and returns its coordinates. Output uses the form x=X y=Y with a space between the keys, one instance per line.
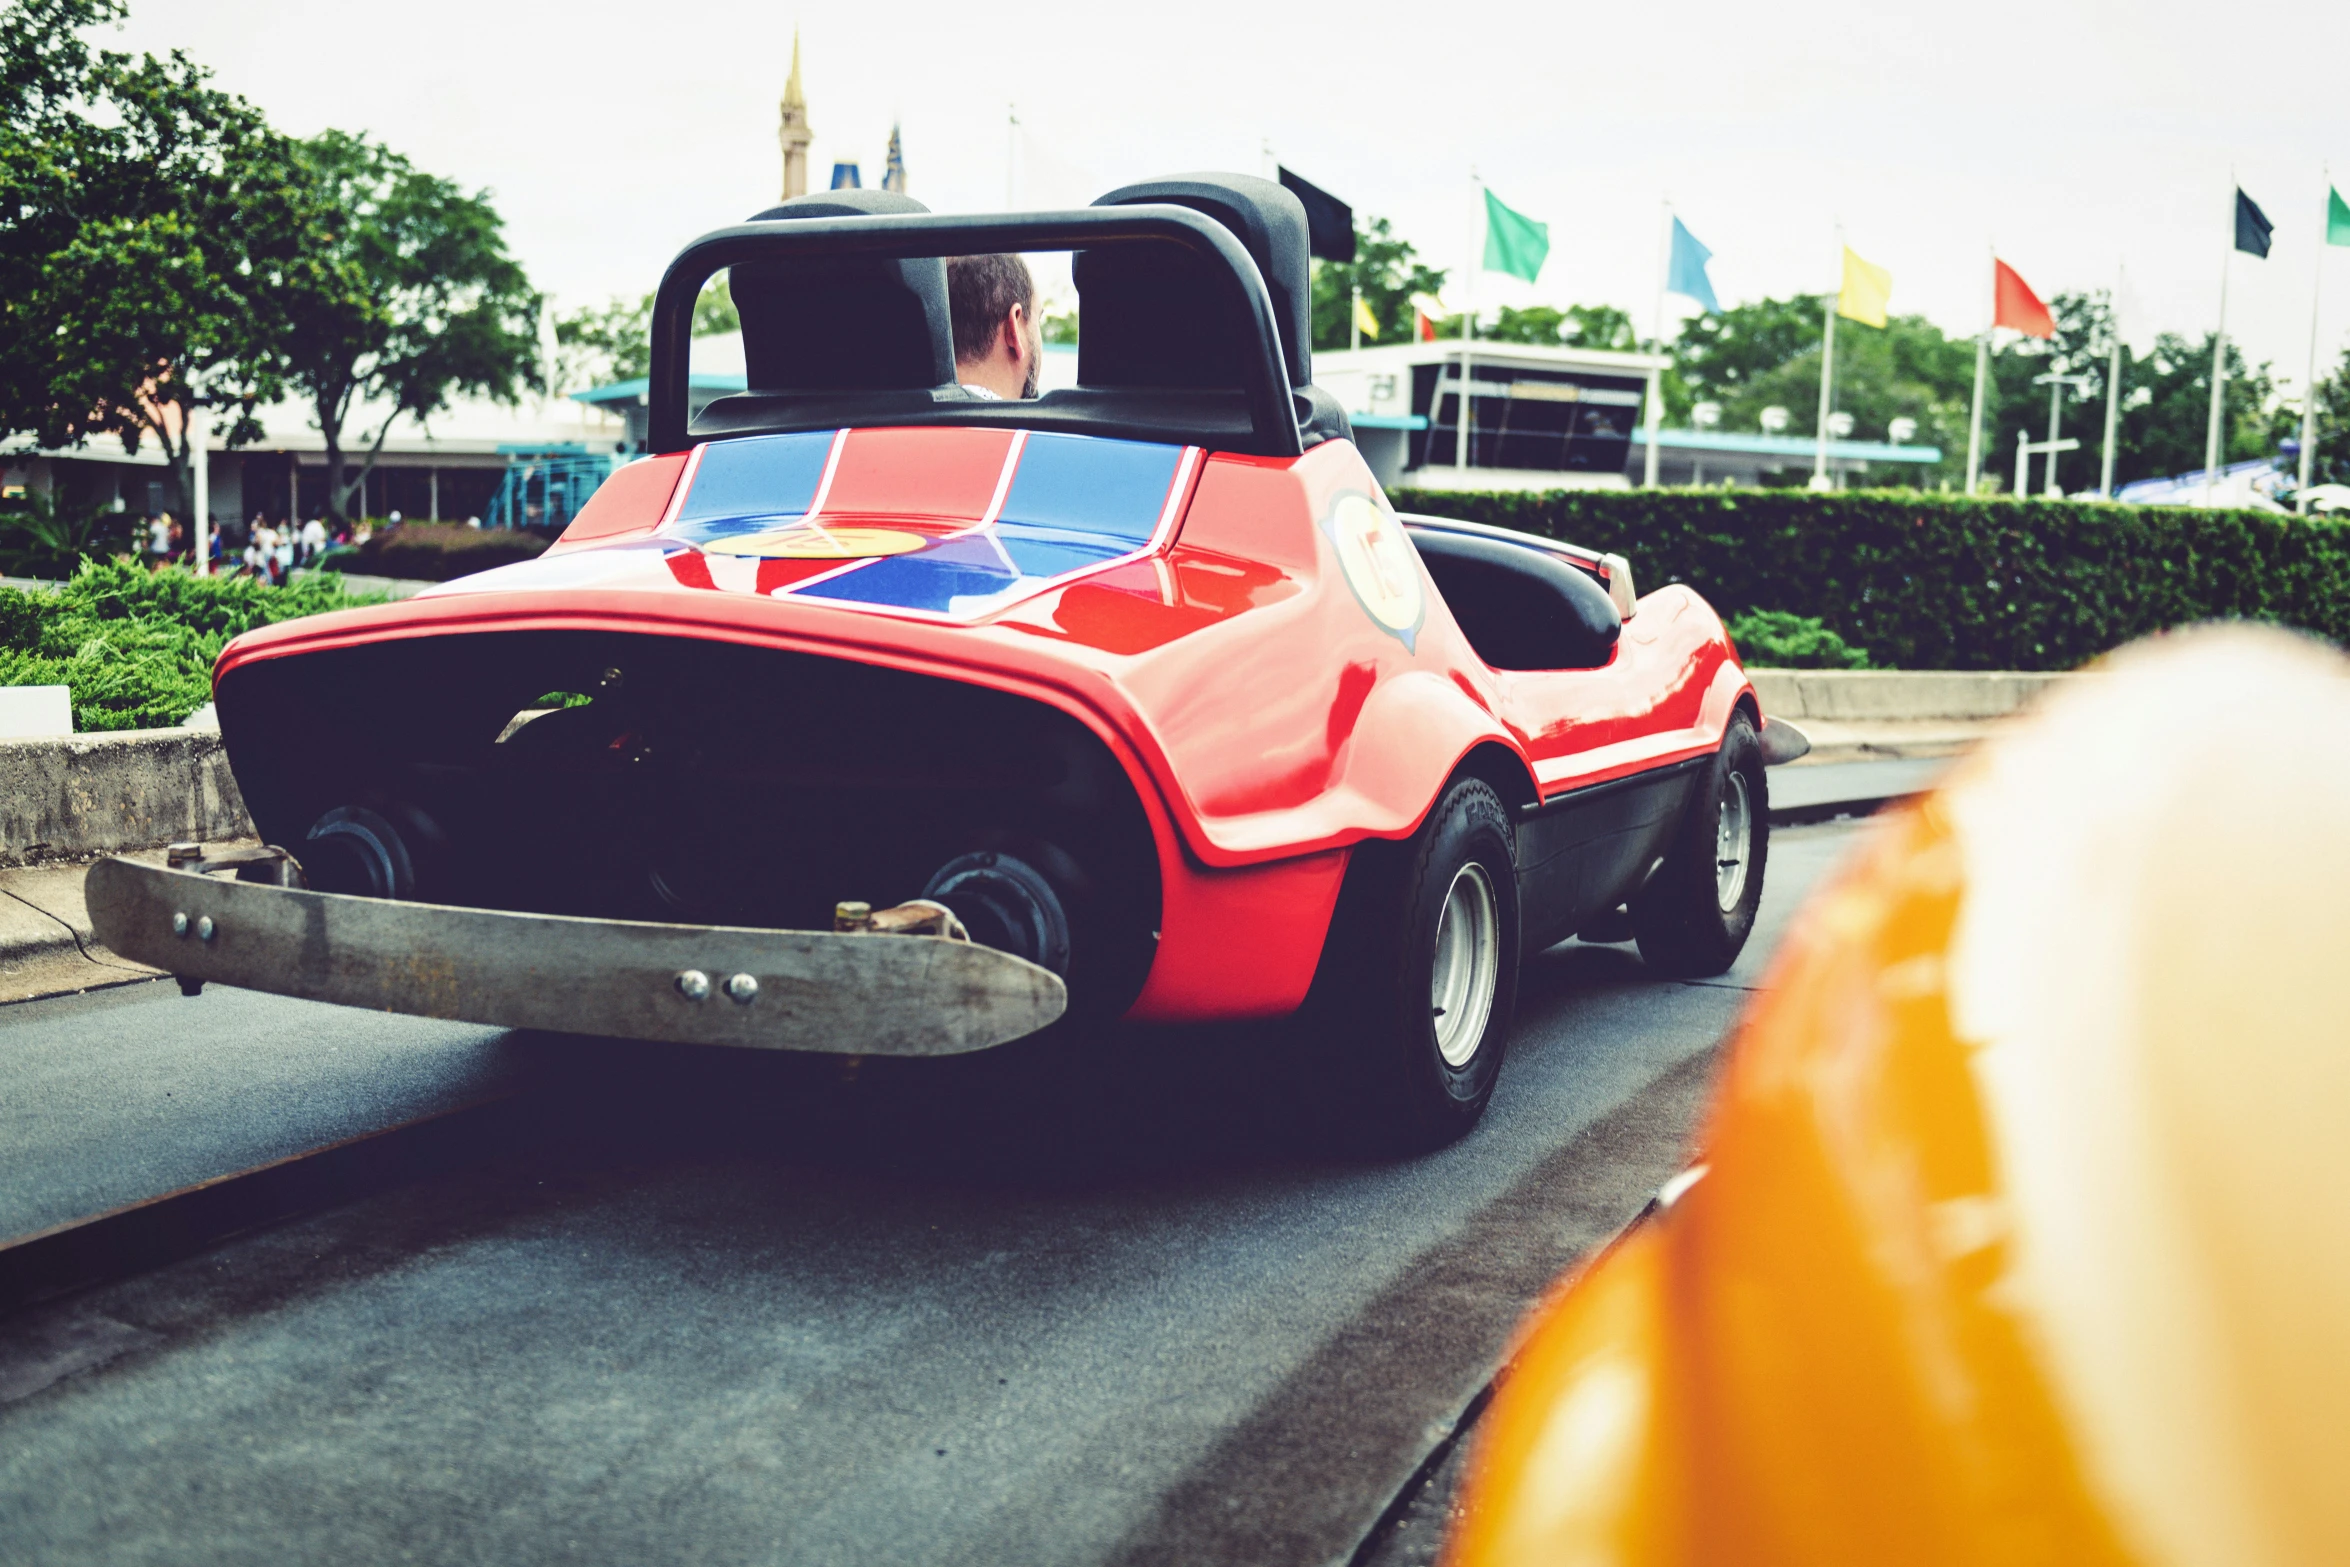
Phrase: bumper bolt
x=693 y=984
x=204 y=928
x=179 y=922
x=742 y=989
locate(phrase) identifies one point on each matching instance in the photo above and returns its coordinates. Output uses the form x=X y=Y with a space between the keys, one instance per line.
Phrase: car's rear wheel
x=1693 y=917
x=1412 y=1005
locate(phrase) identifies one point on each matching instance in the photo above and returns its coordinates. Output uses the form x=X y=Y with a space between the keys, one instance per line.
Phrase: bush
x=1945 y=582
x=437 y=551
x=43 y=537
x=1774 y=639
x=137 y=647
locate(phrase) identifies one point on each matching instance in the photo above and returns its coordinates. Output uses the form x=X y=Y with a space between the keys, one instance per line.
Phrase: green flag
x=1514 y=243
x=2337 y=219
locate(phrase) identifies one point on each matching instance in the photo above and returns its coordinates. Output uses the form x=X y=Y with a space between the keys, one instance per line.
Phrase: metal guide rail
x=881 y=987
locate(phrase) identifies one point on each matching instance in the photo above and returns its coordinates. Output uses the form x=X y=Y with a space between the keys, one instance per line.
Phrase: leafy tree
x=412 y=300
x=1721 y=354
x=152 y=227
x=1906 y=370
x=1577 y=326
x=2331 y=431
x=598 y=344
x=1388 y=271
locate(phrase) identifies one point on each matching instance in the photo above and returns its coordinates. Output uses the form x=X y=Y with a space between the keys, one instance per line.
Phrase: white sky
x=2077 y=133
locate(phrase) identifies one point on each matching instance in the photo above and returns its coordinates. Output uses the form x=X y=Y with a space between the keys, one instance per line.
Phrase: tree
x=2331 y=431
x=596 y=345
x=153 y=225
x=412 y=300
x=1577 y=326
x=1389 y=273
x=599 y=344
x=1906 y=369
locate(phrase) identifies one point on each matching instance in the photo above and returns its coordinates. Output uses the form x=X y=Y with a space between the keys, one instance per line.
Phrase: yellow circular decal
x=814 y=541
x=1380 y=563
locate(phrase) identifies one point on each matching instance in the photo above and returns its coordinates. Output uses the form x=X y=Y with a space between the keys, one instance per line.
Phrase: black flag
x=2252 y=225
x=1330 y=223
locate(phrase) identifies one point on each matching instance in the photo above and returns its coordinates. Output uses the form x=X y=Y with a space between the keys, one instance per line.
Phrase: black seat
x=1520 y=608
x=1160 y=317
x=846 y=324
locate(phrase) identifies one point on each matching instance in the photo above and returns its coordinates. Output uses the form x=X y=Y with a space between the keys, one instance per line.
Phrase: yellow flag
x=1866 y=292
x=1363 y=317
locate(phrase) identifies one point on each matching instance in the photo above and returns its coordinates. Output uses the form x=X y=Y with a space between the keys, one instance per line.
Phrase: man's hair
x=981 y=291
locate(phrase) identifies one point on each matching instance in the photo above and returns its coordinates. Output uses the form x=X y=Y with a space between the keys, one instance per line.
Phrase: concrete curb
x=1871 y=696
x=72 y=797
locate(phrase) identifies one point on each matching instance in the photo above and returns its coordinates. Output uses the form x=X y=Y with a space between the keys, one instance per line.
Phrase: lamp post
x=2056 y=381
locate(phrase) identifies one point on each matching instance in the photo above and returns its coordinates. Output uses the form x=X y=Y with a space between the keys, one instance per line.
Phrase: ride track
x=1314 y=1430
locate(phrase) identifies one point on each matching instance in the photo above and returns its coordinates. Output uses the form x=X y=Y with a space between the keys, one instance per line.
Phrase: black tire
x=1679 y=918
x=1372 y=1014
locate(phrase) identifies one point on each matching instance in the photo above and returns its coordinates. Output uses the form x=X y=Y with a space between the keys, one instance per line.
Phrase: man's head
x=998 y=341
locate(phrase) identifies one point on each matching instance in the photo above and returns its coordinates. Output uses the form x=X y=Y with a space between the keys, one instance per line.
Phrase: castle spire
x=794 y=132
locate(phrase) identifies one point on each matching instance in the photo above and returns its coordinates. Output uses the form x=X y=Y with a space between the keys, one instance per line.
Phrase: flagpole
x=2219 y=353
x=2309 y=386
x=1819 y=462
x=1656 y=345
x=1974 y=429
x=1354 y=320
x=1460 y=438
x=2113 y=386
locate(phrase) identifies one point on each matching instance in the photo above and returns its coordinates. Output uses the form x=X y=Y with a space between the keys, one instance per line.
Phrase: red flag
x=2015 y=305
x=1426 y=328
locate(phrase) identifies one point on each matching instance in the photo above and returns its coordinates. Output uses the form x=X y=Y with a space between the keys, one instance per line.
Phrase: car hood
x=952 y=525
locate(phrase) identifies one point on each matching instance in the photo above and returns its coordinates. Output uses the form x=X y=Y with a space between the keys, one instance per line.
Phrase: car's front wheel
x=1419 y=978
x=1693 y=917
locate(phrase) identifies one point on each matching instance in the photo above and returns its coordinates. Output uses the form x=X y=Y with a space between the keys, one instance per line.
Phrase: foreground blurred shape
x=2019 y=1235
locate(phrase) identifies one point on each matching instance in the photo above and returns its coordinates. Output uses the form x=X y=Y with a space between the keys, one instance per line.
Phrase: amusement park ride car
x=1135 y=700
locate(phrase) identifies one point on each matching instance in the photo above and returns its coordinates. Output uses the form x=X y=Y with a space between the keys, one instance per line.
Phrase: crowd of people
x=262 y=549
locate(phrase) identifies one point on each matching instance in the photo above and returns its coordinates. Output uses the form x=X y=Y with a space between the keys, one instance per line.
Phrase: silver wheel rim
x=1733 y=842
x=1468 y=965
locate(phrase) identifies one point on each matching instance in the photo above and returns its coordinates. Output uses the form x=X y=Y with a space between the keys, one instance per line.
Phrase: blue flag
x=844 y=177
x=1686 y=274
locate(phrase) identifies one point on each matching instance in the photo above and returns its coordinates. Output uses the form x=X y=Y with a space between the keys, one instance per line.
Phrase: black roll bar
x=904 y=236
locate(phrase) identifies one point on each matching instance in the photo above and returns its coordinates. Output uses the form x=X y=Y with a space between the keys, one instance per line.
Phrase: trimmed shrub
x=437 y=551
x=1774 y=639
x=137 y=647
x=1944 y=582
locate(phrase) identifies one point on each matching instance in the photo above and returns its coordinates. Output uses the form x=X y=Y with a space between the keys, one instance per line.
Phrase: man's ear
x=1015 y=333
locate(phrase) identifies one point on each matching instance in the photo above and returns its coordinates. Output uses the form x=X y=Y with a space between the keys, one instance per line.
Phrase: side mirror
x=1522 y=608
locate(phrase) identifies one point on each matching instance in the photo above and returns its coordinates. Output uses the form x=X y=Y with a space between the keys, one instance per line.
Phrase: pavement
x=1119 y=1304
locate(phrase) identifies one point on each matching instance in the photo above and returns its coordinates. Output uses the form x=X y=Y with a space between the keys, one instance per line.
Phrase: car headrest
x=844 y=323
x=1159 y=316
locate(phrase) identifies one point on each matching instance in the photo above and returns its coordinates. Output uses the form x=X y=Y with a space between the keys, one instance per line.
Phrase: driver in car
x=998 y=340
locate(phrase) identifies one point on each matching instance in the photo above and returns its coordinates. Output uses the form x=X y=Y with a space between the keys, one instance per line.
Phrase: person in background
x=159 y=538
x=281 y=560
x=313 y=541
x=393 y=520
x=176 y=542
x=256 y=548
x=999 y=343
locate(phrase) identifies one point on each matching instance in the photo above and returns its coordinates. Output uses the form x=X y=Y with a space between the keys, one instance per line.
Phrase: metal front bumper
x=815 y=990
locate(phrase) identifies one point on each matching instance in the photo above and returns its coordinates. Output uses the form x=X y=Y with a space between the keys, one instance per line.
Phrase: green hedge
x=437 y=551
x=136 y=646
x=1942 y=582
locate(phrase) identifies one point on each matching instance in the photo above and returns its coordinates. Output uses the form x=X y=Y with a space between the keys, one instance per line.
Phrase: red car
x=1136 y=699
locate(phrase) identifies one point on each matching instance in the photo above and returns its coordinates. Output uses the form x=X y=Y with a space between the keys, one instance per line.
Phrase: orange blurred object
x=2021 y=1236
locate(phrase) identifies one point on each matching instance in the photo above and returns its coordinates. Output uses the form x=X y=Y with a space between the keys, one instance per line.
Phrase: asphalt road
x=1134 y=1306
